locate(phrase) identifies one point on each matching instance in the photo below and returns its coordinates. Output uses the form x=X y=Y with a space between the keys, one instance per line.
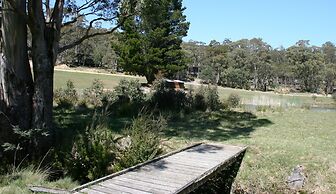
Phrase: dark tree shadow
x=215 y=126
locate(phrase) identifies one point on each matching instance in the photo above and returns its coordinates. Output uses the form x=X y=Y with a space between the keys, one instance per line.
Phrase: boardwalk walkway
x=178 y=172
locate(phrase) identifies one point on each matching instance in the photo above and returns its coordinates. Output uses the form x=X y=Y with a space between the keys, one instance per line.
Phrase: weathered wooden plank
x=178 y=172
x=155 y=180
x=123 y=187
x=145 y=184
x=91 y=191
x=136 y=185
x=184 y=169
x=175 y=171
x=38 y=189
x=107 y=189
x=168 y=177
x=192 y=163
x=180 y=161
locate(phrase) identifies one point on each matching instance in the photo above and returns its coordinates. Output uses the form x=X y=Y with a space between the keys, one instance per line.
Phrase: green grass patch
x=277 y=143
x=19 y=181
x=84 y=80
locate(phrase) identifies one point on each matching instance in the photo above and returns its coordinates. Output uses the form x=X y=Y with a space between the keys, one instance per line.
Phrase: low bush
x=93 y=152
x=129 y=97
x=233 y=100
x=144 y=135
x=129 y=90
x=199 y=102
x=263 y=108
x=334 y=96
x=212 y=98
x=306 y=106
x=67 y=97
x=169 y=99
x=93 y=96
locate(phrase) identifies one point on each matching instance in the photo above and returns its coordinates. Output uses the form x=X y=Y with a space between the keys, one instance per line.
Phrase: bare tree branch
x=76 y=19
x=86 y=5
x=85 y=37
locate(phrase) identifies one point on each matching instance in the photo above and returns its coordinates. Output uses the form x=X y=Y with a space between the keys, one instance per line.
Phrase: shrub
x=93 y=152
x=199 y=102
x=94 y=95
x=306 y=106
x=334 y=96
x=212 y=98
x=67 y=97
x=130 y=90
x=233 y=100
x=263 y=108
x=28 y=146
x=169 y=99
x=109 y=98
x=145 y=141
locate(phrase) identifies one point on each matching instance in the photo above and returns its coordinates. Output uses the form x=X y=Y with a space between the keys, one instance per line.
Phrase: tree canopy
x=255 y=64
x=150 y=42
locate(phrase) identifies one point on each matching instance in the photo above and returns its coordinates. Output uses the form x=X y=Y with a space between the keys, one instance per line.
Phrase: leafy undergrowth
x=19 y=181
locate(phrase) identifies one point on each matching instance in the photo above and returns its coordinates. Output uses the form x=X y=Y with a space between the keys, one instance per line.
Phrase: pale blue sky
x=278 y=22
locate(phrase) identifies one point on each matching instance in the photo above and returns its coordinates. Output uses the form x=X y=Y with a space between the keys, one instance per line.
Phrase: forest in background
x=246 y=63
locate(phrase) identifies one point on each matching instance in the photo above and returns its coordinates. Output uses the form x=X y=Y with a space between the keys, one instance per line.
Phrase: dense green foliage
x=166 y=99
x=233 y=100
x=93 y=151
x=94 y=52
x=255 y=64
x=144 y=135
x=66 y=97
x=150 y=42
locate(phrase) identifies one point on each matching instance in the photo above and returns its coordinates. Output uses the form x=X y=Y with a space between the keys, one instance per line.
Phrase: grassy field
x=83 y=80
x=278 y=139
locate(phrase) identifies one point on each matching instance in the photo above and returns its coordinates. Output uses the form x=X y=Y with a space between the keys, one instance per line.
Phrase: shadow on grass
x=213 y=126
x=70 y=123
x=216 y=126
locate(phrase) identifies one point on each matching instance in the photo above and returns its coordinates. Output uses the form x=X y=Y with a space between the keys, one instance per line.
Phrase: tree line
x=246 y=64
x=254 y=64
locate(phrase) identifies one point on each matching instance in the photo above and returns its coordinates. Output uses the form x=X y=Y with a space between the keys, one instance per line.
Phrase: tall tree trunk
x=43 y=67
x=255 y=77
x=45 y=41
x=16 y=84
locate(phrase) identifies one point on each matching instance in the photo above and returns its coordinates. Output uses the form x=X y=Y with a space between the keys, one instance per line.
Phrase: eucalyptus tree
x=196 y=53
x=26 y=97
x=308 y=64
x=216 y=61
x=329 y=51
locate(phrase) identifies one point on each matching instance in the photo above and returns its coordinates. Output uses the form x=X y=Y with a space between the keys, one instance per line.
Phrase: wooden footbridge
x=183 y=171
